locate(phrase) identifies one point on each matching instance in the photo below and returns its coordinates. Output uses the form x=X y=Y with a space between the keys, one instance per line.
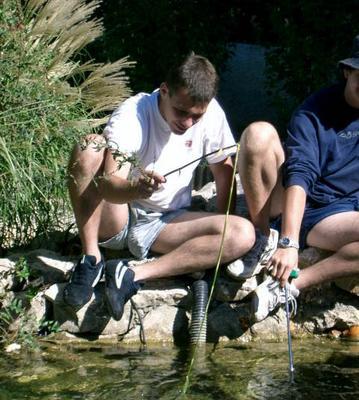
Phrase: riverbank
x=162 y=309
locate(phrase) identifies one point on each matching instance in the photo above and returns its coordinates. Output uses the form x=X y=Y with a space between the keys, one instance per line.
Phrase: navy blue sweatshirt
x=322 y=148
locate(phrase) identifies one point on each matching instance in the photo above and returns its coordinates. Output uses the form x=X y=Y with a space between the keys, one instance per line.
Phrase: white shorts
x=141 y=230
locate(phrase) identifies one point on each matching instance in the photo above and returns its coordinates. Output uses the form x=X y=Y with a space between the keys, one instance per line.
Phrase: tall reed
x=48 y=99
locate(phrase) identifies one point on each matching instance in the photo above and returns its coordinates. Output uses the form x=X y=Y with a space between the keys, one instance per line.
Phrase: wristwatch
x=286 y=242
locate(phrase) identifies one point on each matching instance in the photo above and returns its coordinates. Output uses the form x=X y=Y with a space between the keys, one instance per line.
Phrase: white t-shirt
x=138 y=127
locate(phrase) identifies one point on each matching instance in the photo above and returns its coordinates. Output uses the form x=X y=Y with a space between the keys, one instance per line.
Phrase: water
x=242 y=89
x=324 y=369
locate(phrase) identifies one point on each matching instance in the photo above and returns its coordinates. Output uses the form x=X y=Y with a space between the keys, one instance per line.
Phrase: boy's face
x=351 y=91
x=178 y=109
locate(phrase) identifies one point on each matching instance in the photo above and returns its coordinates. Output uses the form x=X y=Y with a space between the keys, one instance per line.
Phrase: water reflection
x=324 y=369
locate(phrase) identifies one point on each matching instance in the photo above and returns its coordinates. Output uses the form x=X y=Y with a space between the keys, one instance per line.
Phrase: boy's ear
x=346 y=73
x=164 y=90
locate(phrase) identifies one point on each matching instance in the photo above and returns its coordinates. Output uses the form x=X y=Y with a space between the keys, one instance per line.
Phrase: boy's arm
x=286 y=259
x=117 y=188
x=222 y=173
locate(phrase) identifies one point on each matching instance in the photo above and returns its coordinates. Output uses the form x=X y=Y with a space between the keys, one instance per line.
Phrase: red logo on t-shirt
x=188 y=143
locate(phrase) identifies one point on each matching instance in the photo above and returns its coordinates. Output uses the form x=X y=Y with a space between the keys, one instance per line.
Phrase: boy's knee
x=259 y=137
x=242 y=235
x=247 y=235
x=88 y=154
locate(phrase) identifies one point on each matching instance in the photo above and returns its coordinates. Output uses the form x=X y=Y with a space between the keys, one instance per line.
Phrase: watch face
x=285 y=241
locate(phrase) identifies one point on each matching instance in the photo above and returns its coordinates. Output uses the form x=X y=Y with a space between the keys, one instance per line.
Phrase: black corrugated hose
x=198 y=328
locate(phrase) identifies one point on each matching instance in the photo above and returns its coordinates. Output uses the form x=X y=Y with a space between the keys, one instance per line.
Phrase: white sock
x=293 y=289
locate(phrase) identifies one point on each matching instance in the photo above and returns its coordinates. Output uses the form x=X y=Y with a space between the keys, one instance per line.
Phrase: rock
x=340 y=316
x=228 y=322
x=52 y=267
x=274 y=327
x=8 y=279
x=92 y=318
x=152 y=298
x=162 y=324
x=13 y=347
x=206 y=192
x=26 y=314
x=335 y=333
x=310 y=256
x=230 y=290
x=326 y=307
x=205 y=198
x=38 y=307
x=350 y=284
x=352 y=333
x=163 y=306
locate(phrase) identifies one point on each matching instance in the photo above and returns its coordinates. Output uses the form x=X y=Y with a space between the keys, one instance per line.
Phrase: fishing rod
x=294 y=274
x=289 y=337
x=200 y=158
x=121 y=157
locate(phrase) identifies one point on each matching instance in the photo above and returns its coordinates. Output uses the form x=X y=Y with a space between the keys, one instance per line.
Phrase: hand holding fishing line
x=294 y=273
x=282 y=263
x=148 y=182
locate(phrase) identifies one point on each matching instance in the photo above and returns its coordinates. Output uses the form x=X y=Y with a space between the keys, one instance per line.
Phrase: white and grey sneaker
x=252 y=263
x=269 y=295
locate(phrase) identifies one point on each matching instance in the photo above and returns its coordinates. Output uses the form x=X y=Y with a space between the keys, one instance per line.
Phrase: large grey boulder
x=94 y=317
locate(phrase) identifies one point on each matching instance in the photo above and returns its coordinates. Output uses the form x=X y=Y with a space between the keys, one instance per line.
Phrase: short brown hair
x=198 y=75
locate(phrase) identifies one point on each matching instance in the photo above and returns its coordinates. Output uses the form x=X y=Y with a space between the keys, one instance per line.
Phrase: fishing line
x=200 y=158
x=289 y=336
x=219 y=258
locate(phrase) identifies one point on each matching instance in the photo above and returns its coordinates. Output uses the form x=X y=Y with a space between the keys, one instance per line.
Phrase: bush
x=307 y=39
x=48 y=99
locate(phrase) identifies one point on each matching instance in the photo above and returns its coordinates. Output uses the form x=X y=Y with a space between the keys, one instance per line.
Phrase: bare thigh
x=335 y=231
x=276 y=198
x=113 y=219
x=193 y=224
x=277 y=195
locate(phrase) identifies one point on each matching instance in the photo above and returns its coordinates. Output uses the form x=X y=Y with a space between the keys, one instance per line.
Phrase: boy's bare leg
x=96 y=219
x=338 y=233
x=260 y=159
x=192 y=242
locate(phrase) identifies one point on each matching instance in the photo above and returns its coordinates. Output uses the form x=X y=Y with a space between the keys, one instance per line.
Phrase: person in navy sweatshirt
x=305 y=194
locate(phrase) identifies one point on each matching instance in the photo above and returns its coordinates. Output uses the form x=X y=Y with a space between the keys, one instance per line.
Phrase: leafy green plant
x=15 y=326
x=48 y=326
x=48 y=100
x=7 y=313
x=22 y=270
x=31 y=292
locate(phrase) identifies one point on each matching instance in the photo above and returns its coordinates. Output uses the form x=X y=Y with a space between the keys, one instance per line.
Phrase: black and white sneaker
x=120 y=286
x=255 y=260
x=84 y=278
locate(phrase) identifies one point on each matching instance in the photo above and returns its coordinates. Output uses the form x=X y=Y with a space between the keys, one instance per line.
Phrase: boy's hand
x=282 y=263
x=148 y=183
